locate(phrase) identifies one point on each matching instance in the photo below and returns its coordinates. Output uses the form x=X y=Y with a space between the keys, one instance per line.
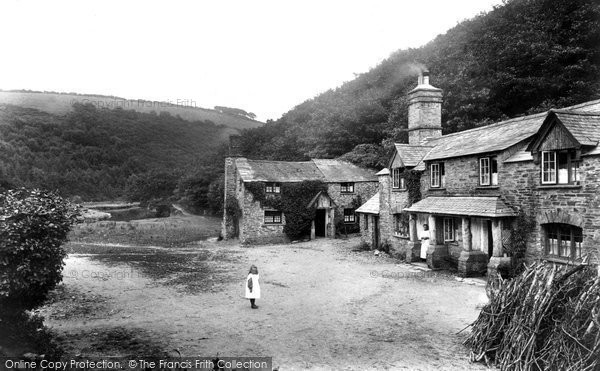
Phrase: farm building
x=255 y=189
x=477 y=189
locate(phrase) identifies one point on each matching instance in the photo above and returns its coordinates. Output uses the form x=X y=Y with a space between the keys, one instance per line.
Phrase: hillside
x=99 y=154
x=62 y=103
x=523 y=57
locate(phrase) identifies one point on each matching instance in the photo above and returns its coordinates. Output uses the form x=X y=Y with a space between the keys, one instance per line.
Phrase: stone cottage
x=346 y=185
x=474 y=188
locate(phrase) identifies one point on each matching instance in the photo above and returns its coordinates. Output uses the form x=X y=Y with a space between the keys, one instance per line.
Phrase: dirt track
x=323 y=306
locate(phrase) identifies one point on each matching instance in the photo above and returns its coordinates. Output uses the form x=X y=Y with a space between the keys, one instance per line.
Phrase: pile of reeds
x=546 y=318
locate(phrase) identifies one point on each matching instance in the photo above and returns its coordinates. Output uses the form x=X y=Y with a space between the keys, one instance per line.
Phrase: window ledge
x=555 y=186
x=495 y=187
x=399 y=190
x=347 y=193
x=398 y=235
x=437 y=189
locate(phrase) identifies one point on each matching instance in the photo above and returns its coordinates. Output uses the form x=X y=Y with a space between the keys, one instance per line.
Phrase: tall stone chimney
x=235 y=146
x=424 y=111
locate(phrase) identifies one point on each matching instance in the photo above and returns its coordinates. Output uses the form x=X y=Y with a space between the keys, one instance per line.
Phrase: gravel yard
x=323 y=306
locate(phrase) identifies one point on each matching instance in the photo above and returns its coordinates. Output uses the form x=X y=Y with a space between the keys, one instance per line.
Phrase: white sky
x=264 y=56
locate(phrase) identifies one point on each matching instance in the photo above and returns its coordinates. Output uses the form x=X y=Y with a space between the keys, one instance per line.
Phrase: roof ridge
x=584 y=104
x=495 y=124
x=412 y=145
x=580 y=113
x=279 y=162
x=516 y=119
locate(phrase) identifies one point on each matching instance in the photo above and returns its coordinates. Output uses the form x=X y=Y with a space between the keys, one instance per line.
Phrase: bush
x=33 y=226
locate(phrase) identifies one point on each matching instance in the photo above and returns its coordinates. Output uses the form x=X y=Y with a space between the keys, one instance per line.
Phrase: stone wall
x=229 y=225
x=363 y=191
x=520 y=187
x=366 y=231
x=253 y=230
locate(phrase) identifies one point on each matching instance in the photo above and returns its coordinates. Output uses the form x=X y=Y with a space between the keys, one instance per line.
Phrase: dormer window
x=398 y=182
x=560 y=167
x=488 y=171
x=272 y=187
x=437 y=175
x=347 y=187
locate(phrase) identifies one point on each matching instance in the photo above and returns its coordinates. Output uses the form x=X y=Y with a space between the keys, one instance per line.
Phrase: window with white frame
x=560 y=167
x=273 y=217
x=349 y=216
x=273 y=187
x=401 y=224
x=449 y=229
x=398 y=181
x=437 y=175
x=488 y=171
x=563 y=240
x=347 y=187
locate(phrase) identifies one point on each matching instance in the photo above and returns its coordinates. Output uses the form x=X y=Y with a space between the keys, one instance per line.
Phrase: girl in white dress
x=253 y=286
x=424 y=241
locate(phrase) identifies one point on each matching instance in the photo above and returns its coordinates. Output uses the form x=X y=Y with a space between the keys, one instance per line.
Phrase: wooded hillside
x=523 y=57
x=92 y=153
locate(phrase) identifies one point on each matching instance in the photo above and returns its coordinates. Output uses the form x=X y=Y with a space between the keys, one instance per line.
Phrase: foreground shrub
x=33 y=226
x=548 y=317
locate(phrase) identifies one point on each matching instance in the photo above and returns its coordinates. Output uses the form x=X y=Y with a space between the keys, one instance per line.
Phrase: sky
x=263 y=56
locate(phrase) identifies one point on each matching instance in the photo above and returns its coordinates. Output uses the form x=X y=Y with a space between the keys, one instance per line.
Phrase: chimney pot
x=420 y=79
x=426 y=77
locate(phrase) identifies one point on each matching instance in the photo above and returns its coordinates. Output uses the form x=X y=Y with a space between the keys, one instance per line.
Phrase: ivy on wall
x=293 y=202
x=412 y=179
x=233 y=209
x=346 y=228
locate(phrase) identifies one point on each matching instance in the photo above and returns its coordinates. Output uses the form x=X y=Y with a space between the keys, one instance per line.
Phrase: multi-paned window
x=401 y=224
x=347 y=187
x=488 y=171
x=273 y=217
x=349 y=216
x=273 y=187
x=437 y=175
x=449 y=229
x=563 y=240
x=560 y=167
x=398 y=181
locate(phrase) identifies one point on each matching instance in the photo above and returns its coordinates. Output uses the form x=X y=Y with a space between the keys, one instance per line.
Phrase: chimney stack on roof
x=424 y=111
x=235 y=146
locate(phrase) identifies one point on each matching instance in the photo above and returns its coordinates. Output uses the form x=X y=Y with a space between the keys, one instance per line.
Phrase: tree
x=33 y=226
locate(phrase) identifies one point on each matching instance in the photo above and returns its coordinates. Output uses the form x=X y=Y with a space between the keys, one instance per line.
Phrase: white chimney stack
x=424 y=111
x=425 y=78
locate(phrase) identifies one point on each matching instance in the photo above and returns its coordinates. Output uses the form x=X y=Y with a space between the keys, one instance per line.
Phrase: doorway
x=490 y=238
x=320 y=218
x=375 y=231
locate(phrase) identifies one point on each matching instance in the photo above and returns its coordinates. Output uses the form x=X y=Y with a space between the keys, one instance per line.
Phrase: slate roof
x=585 y=126
x=343 y=171
x=371 y=206
x=411 y=155
x=490 y=138
x=504 y=134
x=332 y=171
x=464 y=206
